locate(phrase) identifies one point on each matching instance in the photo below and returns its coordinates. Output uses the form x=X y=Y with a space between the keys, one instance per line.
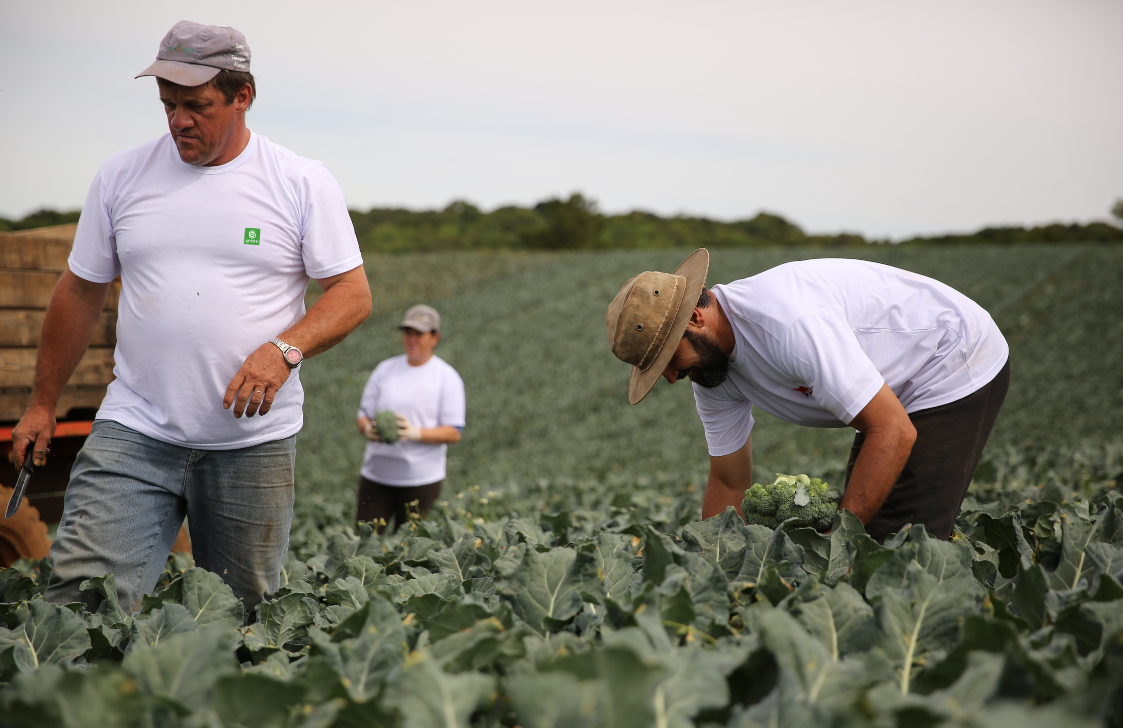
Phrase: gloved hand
x=407 y=431
x=370 y=432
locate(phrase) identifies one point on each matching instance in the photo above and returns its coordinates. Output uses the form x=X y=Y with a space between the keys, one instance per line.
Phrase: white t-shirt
x=816 y=339
x=214 y=262
x=431 y=395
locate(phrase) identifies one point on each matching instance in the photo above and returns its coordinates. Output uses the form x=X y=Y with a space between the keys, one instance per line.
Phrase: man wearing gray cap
x=425 y=396
x=917 y=368
x=215 y=232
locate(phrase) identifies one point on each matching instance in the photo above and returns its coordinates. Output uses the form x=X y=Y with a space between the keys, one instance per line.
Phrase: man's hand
x=33 y=432
x=256 y=384
x=889 y=439
x=730 y=476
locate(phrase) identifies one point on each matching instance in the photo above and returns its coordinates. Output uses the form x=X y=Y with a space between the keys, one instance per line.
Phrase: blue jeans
x=129 y=493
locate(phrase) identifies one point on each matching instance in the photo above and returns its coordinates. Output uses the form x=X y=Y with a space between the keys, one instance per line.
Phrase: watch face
x=293 y=356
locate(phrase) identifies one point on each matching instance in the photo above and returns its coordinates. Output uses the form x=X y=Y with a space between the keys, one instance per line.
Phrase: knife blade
x=21 y=486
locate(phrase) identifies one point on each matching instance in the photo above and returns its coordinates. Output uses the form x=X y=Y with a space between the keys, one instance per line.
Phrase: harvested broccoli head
x=810 y=501
x=386 y=422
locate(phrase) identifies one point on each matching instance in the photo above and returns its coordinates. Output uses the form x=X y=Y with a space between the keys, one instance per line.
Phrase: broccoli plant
x=387 y=424
x=810 y=501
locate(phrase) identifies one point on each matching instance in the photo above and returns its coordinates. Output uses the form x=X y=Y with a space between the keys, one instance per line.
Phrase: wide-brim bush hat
x=648 y=317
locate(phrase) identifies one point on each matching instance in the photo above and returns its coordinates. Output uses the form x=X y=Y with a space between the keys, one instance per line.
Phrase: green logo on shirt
x=253 y=236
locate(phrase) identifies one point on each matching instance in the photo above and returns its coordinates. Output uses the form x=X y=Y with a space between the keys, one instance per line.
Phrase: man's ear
x=697 y=319
x=244 y=98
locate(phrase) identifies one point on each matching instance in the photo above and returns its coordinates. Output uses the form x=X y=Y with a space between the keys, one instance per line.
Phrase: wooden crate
x=31 y=262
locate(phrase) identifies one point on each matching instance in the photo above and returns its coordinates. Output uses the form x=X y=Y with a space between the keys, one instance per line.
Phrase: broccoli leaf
x=428 y=697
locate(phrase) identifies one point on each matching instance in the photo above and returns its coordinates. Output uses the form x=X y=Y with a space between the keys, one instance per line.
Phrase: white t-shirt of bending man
x=816 y=340
x=214 y=262
x=431 y=395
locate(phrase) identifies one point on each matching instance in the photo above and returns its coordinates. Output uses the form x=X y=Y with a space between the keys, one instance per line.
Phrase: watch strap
x=285 y=350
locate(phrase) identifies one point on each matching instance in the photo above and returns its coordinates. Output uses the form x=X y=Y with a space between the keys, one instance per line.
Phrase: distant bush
x=1096 y=232
x=40 y=218
x=568 y=225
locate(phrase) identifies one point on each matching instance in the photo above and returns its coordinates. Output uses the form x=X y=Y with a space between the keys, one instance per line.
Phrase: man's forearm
x=730 y=476
x=68 y=327
x=876 y=470
x=343 y=306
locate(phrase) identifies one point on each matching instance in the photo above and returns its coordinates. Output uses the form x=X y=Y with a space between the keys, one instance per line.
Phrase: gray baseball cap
x=421 y=318
x=192 y=54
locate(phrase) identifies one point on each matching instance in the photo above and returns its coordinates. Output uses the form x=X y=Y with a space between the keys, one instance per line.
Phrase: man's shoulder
x=132 y=158
x=752 y=303
x=291 y=164
x=778 y=297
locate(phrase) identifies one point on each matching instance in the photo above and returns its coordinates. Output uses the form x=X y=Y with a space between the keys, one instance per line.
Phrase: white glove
x=370 y=432
x=407 y=431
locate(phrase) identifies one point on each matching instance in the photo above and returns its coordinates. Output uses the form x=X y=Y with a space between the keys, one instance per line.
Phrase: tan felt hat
x=648 y=317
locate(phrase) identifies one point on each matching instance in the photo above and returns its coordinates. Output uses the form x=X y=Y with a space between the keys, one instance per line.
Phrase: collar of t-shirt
x=244 y=156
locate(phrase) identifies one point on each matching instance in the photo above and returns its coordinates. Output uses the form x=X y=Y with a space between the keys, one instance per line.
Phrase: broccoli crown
x=387 y=424
x=809 y=501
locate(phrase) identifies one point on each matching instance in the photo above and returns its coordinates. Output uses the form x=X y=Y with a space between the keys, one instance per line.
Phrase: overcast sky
x=885 y=118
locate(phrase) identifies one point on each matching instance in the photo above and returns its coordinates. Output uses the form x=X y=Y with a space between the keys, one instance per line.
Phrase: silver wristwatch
x=292 y=355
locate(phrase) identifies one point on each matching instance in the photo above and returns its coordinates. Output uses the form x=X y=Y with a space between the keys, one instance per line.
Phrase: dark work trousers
x=387 y=502
x=934 y=482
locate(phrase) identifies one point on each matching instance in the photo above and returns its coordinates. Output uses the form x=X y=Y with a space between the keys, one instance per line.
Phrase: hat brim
x=694 y=269
x=184 y=74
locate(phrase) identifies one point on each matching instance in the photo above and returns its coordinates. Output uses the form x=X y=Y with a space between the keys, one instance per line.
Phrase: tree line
x=576 y=223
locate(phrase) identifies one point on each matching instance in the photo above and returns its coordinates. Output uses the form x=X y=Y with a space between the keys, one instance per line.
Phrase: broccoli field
x=564 y=579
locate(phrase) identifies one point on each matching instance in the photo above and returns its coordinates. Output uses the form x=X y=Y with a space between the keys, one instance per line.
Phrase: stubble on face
x=713 y=363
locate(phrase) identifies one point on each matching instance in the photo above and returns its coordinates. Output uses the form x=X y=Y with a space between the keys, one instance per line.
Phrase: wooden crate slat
x=47 y=254
x=65 y=232
x=21 y=327
x=38 y=249
x=33 y=288
x=17 y=367
x=14 y=401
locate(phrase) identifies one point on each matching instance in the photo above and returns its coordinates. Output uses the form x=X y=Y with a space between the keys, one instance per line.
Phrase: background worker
x=215 y=232
x=917 y=368
x=427 y=395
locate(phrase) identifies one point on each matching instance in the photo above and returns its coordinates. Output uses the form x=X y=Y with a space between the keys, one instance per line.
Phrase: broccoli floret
x=809 y=501
x=387 y=424
x=759 y=519
x=759 y=500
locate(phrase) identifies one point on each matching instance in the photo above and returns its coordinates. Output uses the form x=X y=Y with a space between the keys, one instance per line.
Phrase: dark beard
x=713 y=365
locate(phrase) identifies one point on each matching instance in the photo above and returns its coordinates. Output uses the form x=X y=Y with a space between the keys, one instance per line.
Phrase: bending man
x=917 y=368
